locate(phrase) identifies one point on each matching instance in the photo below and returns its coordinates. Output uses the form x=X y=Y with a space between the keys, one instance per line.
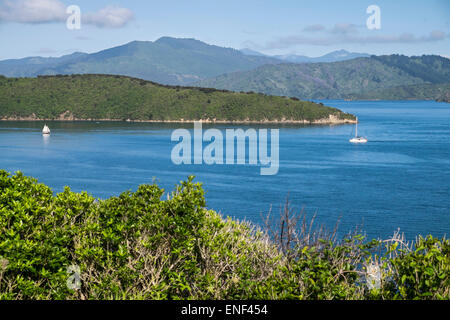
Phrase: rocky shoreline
x=325 y=121
x=331 y=120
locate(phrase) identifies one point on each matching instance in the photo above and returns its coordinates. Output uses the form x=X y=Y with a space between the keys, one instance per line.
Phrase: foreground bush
x=138 y=246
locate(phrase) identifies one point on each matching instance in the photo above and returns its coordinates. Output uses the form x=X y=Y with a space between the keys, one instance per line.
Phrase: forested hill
x=111 y=97
x=357 y=78
x=424 y=91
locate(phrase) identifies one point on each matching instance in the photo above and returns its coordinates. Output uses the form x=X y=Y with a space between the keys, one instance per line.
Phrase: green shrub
x=139 y=246
x=423 y=272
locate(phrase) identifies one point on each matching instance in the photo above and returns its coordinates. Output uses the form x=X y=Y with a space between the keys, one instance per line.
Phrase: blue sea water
x=399 y=179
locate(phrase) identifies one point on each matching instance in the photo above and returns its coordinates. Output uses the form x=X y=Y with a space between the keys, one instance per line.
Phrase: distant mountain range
x=340 y=55
x=167 y=61
x=360 y=78
x=337 y=75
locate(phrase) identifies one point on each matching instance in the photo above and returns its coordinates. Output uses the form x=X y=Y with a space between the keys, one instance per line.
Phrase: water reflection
x=46 y=139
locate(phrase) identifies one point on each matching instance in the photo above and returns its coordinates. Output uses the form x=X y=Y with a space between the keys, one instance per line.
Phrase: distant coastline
x=324 y=121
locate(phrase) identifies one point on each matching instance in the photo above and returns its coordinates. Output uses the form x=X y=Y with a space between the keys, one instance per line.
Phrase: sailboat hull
x=358 y=140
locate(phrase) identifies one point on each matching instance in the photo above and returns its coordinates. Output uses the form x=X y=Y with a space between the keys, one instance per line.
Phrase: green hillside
x=426 y=91
x=430 y=68
x=120 y=98
x=339 y=80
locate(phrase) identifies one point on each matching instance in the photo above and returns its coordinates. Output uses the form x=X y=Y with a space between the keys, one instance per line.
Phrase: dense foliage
x=138 y=246
x=427 y=91
x=357 y=78
x=121 y=98
x=430 y=68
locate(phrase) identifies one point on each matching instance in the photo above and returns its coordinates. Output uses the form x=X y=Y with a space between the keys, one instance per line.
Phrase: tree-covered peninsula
x=112 y=97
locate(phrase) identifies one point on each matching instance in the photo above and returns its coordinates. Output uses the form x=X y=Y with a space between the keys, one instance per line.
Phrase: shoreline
x=331 y=120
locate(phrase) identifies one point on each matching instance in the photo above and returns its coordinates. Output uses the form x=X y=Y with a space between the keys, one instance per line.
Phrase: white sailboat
x=46 y=130
x=357 y=139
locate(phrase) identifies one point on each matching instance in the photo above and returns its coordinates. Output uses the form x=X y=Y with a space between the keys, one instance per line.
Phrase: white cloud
x=437 y=35
x=32 y=11
x=340 y=38
x=46 y=11
x=109 y=17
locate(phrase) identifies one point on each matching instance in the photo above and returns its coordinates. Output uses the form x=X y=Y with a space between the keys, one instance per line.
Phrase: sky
x=303 y=27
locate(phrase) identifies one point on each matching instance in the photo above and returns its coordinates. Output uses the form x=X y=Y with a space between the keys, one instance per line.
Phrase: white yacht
x=357 y=139
x=46 y=130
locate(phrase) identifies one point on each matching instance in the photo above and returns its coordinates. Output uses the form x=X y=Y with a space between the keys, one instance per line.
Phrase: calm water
x=400 y=179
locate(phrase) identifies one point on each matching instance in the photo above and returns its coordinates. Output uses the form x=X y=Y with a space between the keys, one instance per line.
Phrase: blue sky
x=313 y=28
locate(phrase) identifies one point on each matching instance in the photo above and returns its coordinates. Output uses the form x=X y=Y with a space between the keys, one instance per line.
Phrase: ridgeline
x=113 y=97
